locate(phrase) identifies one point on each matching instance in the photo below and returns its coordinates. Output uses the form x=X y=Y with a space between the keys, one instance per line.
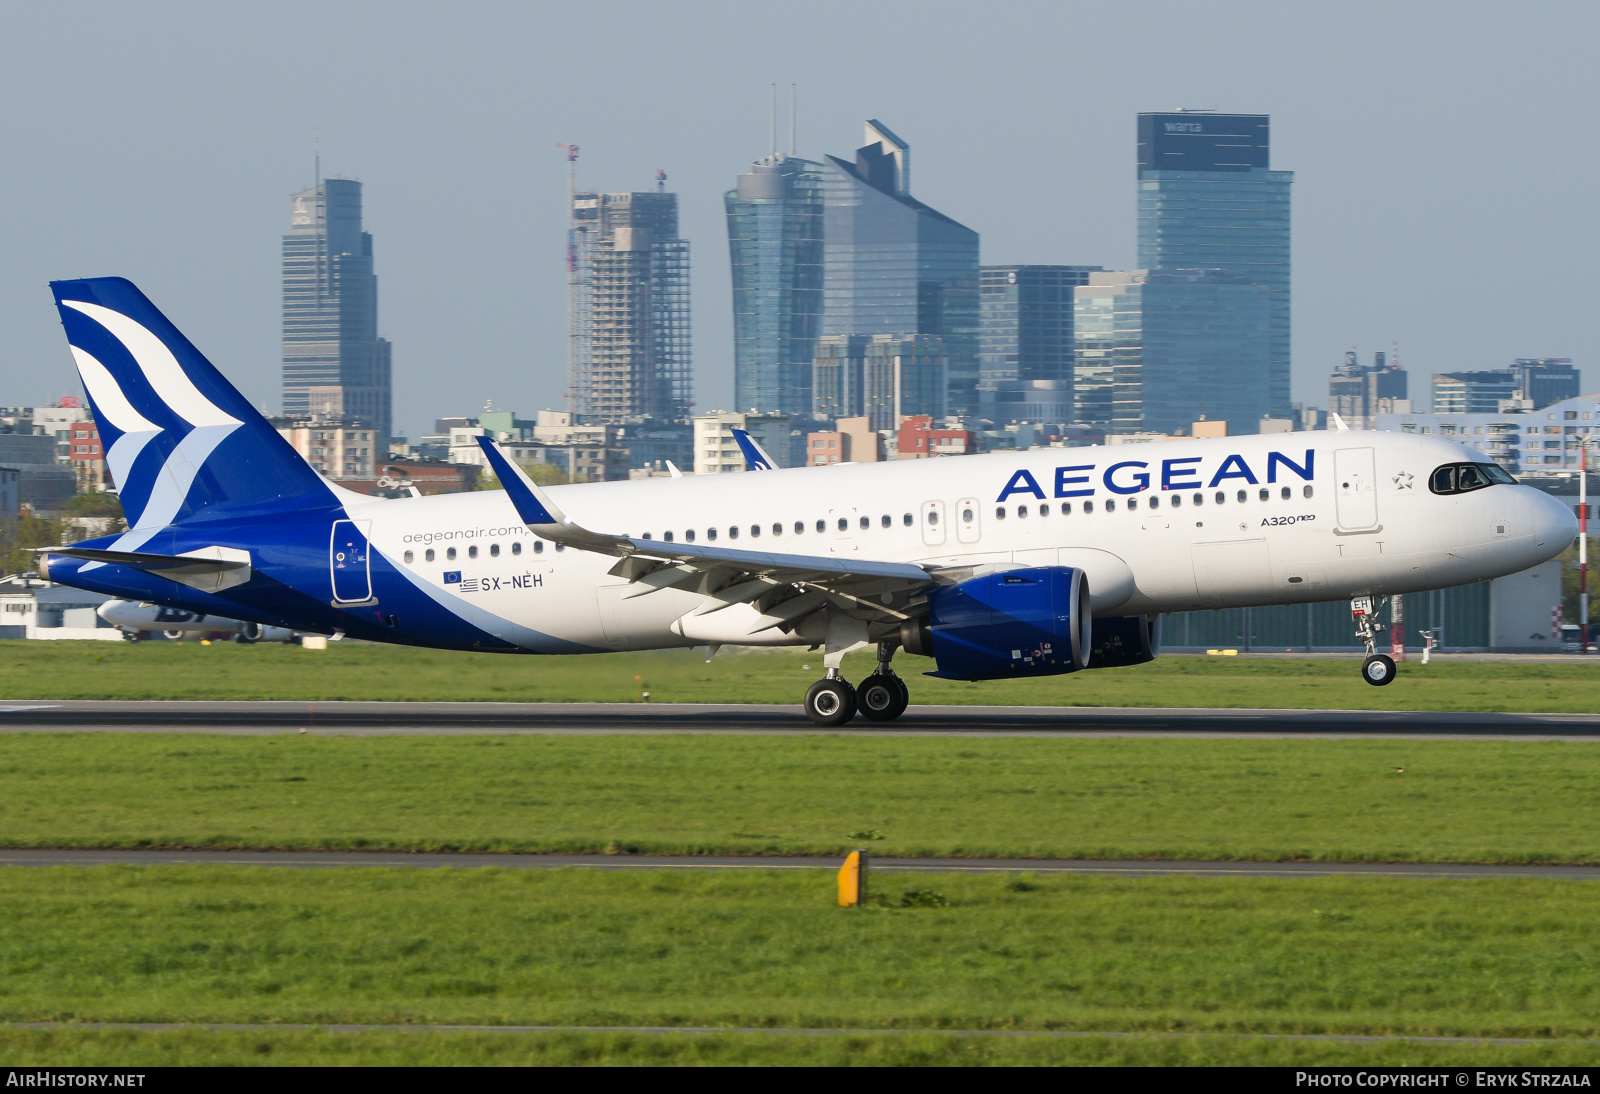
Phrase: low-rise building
x=717 y=453
x=919 y=439
x=338 y=447
x=1545 y=441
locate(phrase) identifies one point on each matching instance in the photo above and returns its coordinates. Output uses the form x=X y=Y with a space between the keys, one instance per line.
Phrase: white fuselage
x=1159 y=527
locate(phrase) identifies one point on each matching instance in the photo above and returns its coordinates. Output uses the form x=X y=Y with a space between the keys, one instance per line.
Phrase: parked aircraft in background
x=1008 y=565
x=131 y=617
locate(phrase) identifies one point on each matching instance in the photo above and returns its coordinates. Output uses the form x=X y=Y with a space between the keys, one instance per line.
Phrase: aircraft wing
x=783 y=587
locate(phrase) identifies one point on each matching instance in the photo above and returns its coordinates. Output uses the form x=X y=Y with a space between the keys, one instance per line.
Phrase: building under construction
x=628 y=319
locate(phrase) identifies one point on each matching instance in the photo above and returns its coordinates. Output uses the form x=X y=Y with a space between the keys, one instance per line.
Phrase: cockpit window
x=1458 y=478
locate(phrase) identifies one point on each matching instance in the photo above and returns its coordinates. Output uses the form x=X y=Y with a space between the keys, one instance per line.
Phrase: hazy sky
x=1444 y=155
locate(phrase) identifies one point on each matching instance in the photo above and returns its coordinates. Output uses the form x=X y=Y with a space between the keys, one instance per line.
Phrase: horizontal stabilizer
x=209 y=569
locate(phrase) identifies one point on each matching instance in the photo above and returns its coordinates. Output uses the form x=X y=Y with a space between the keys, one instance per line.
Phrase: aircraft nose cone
x=1556 y=524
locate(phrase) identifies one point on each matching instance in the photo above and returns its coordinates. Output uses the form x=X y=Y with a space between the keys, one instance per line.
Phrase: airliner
x=1008 y=565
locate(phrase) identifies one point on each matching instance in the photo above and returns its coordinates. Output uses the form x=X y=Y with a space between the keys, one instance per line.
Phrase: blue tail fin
x=178 y=437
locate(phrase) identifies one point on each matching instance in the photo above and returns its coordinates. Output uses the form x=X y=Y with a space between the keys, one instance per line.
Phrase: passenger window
x=1155 y=501
x=908 y=520
x=1176 y=501
x=1221 y=497
x=1022 y=512
x=733 y=532
x=866 y=522
x=408 y=556
x=1286 y=493
x=472 y=552
x=516 y=547
x=1066 y=508
x=886 y=522
x=538 y=546
x=822 y=526
x=933 y=516
x=1242 y=495
x=844 y=524
x=1133 y=503
x=1111 y=503
x=1265 y=494
x=494 y=550
x=1306 y=491
x=450 y=553
x=711 y=533
x=966 y=516
x=561 y=546
x=777 y=528
x=799 y=527
x=688 y=536
x=667 y=536
x=1044 y=510
x=1199 y=499
x=755 y=531
x=999 y=513
x=1088 y=507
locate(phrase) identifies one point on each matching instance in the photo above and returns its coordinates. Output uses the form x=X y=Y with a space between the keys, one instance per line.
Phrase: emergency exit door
x=348 y=559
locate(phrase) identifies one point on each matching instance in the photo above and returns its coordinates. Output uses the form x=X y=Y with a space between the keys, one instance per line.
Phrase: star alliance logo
x=1403 y=480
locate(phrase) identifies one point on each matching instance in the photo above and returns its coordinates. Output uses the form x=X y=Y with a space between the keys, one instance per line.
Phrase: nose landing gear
x=1378 y=669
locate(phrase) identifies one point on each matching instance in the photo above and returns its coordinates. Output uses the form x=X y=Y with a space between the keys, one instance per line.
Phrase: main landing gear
x=1378 y=669
x=881 y=697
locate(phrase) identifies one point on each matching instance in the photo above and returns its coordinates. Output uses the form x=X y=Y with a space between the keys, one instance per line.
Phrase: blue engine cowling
x=1032 y=622
x=1123 y=640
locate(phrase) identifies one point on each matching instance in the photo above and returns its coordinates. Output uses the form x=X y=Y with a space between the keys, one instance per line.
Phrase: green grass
x=160 y=670
x=1471 y=801
x=585 y=947
x=124 y=1049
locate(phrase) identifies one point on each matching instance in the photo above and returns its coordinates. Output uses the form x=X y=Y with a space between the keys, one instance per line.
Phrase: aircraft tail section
x=178 y=438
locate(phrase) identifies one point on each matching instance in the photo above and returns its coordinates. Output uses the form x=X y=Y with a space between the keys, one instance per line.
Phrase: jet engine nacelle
x=1122 y=640
x=1032 y=622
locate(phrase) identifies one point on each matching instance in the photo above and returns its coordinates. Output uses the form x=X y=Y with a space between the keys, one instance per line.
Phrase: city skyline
x=1396 y=214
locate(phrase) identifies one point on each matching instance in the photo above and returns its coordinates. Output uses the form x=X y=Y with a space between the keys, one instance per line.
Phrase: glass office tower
x=892 y=265
x=1025 y=321
x=334 y=363
x=1208 y=200
x=1152 y=345
x=775 y=243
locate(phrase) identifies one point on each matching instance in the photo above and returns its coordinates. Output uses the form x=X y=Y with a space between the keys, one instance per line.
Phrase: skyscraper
x=1153 y=346
x=1208 y=200
x=775 y=243
x=629 y=316
x=334 y=363
x=1026 y=349
x=892 y=265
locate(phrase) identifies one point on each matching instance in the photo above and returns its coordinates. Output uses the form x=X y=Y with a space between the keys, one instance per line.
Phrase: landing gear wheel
x=882 y=698
x=1378 y=670
x=831 y=702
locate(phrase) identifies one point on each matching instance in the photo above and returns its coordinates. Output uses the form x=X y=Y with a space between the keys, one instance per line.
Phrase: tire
x=1378 y=670
x=831 y=702
x=173 y=635
x=882 y=698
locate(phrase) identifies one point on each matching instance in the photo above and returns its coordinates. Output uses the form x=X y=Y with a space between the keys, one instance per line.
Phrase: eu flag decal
x=452 y=577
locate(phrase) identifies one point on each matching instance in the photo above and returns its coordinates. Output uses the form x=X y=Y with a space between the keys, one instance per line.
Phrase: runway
x=360 y=718
x=1123 y=868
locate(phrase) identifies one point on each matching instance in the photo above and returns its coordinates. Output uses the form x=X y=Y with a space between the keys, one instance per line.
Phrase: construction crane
x=661 y=181
x=572 y=188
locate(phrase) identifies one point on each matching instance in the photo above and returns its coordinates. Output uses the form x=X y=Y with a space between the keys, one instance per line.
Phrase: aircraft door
x=348 y=560
x=1355 y=478
x=933 y=522
x=967 y=514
